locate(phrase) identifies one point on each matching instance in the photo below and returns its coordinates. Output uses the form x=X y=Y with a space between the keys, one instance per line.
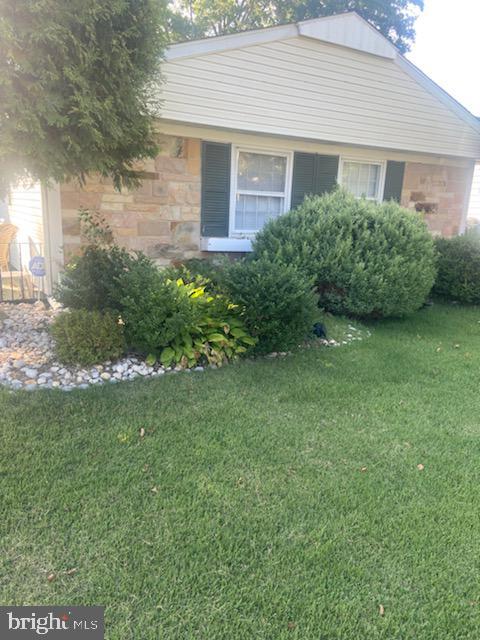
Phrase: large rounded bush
x=279 y=306
x=365 y=259
x=459 y=268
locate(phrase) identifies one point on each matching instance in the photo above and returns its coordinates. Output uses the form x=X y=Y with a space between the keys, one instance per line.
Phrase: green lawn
x=244 y=511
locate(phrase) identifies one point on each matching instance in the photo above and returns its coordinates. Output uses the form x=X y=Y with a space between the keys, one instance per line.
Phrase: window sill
x=235 y=245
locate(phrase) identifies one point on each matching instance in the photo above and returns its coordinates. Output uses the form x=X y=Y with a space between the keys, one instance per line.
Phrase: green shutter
x=326 y=172
x=394 y=180
x=216 y=159
x=303 y=180
x=313 y=174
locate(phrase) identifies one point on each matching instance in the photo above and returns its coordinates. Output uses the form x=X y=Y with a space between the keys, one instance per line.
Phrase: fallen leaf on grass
x=420 y=467
x=363 y=469
x=381 y=610
x=154 y=489
x=291 y=625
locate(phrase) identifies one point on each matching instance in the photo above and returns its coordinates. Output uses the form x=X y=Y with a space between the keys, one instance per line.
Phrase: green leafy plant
x=154 y=309
x=458 y=276
x=278 y=302
x=87 y=337
x=92 y=280
x=365 y=259
x=211 y=271
x=218 y=334
x=180 y=321
x=95 y=228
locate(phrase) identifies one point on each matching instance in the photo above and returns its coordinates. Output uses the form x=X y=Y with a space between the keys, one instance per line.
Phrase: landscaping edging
x=27 y=356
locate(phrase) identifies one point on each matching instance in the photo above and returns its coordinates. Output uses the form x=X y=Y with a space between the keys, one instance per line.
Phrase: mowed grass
x=272 y=499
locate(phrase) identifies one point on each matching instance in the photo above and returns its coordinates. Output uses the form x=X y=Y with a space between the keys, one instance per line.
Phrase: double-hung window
x=362 y=179
x=261 y=189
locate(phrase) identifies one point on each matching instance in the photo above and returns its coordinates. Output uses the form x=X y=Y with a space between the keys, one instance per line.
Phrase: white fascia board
x=434 y=89
x=345 y=29
x=233 y=41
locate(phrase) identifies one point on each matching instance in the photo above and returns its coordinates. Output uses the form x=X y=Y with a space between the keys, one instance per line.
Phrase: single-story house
x=252 y=122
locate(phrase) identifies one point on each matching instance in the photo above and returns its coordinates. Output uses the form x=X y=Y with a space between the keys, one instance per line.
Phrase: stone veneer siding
x=161 y=218
x=440 y=191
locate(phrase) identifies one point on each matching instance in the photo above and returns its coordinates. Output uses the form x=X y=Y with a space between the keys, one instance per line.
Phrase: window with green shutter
x=394 y=180
x=313 y=174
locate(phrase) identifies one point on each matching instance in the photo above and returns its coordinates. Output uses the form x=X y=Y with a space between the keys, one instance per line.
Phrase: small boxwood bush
x=365 y=259
x=87 y=337
x=279 y=306
x=458 y=276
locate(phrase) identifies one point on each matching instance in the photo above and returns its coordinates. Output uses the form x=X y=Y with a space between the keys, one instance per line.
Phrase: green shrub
x=211 y=271
x=91 y=280
x=178 y=321
x=154 y=311
x=279 y=305
x=87 y=337
x=365 y=259
x=458 y=276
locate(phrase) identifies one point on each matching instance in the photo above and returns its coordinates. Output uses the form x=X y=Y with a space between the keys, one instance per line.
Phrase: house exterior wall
x=25 y=212
x=440 y=192
x=305 y=88
x=161 y=218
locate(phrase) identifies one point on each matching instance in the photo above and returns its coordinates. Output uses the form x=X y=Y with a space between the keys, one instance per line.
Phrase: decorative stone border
x=27 y=355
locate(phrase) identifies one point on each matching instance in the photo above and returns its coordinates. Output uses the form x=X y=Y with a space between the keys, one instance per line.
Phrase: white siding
x=25 y=212
x=474 y=207
x=304 y=88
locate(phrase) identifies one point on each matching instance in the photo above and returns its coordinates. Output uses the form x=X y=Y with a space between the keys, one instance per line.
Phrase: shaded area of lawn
x=261 y=522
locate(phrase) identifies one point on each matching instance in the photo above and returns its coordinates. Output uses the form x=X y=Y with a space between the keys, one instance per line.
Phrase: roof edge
x=203 y=46
x=436 y=90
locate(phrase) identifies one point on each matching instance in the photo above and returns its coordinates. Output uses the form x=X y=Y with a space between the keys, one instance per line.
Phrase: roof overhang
x=344 y=29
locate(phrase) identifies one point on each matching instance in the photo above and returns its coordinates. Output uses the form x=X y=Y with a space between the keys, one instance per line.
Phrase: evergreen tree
x=76 y=87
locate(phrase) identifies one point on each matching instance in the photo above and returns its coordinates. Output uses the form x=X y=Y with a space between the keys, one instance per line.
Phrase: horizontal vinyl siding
x=314 y=90
x=25 y=212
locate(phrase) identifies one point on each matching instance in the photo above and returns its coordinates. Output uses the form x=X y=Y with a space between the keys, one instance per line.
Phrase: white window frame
x=236 y=150
x=381 y=178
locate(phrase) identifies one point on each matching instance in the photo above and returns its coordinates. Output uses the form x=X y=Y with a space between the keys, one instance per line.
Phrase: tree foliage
x=76 y=80
x=198 y=18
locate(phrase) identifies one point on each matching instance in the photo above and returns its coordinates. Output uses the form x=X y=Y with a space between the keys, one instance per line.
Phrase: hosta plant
x=217 y=335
